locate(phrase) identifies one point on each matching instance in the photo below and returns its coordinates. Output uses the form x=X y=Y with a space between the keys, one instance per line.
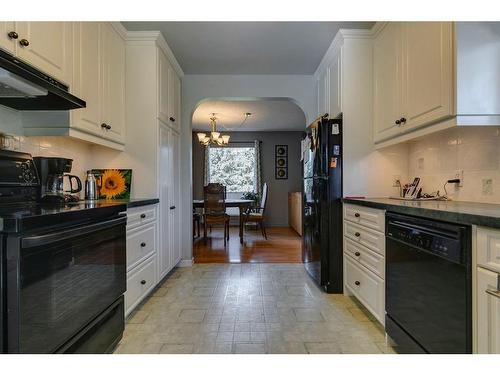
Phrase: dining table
x=242 y=204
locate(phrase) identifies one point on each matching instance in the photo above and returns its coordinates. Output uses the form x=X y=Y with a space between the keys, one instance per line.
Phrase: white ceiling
x=248 y=47
x=276 y=114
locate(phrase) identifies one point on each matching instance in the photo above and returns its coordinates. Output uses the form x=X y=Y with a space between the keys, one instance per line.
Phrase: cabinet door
x=428 y=73
x=7 y=43
x=174 y=92
x=387 y=85
x=323 y=93
x=49 y=49
x=165 y=183
x=113 y=113
x=175 y=178
x=87 y=76
x=164 y=87
x=488 y=312
x=335 y=86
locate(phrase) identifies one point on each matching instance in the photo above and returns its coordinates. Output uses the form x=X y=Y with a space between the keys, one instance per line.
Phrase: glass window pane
x=233 y=167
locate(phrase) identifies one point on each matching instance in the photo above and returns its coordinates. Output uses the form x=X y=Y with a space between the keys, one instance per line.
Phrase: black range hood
x=25 y=88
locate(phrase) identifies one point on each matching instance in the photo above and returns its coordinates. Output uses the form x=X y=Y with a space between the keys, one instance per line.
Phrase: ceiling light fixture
x=214 y=138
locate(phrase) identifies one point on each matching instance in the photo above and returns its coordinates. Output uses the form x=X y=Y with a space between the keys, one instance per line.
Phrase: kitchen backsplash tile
x=475 y=150
x=65 y=147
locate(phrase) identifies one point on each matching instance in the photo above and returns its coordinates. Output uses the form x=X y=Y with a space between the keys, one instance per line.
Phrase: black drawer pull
x=357 y=234
x=24 y=42
x=143 y=216
x=13 y=35
x=172 y=119
x=357 y=215
x=357 y=282
x=357 y=253
x=172 y=207
x=143 y=282
x=143 y=244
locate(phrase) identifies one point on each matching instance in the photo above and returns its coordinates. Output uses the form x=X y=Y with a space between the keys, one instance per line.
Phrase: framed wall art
x=281 y=162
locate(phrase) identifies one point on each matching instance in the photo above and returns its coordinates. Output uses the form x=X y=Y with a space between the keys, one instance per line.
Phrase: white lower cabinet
x=488 y=312
x=142 y=255
x=364 y=258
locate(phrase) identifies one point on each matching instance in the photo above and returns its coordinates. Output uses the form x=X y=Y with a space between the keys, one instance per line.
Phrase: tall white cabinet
x=153 y=118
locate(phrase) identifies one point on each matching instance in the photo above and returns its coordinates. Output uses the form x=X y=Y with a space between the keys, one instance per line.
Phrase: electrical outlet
x=396 y=181
x=487 y=186
x=459 y=173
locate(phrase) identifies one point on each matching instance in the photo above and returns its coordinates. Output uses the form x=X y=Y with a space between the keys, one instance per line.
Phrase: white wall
x=195 y=88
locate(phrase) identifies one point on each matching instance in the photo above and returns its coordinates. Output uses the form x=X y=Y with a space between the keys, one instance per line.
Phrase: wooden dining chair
x=196 y=224
x=256 y=215
x=214 y=209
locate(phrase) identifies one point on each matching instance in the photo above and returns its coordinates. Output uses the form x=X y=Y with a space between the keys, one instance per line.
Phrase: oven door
x=58 y=282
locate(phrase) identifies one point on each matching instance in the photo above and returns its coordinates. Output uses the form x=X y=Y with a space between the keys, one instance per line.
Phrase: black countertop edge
x=140 y=202
x=468 y=213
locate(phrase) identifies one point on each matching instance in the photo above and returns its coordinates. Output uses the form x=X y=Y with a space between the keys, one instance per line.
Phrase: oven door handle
x=45 y=239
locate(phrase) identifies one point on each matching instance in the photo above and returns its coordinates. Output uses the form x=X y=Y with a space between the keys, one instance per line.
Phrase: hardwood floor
x=283 y=245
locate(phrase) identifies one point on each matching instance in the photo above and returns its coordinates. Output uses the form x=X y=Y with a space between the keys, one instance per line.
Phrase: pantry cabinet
x=45 y=45
x=413 y=77
x=323 y=92
x=168 y=92
x=334 y=96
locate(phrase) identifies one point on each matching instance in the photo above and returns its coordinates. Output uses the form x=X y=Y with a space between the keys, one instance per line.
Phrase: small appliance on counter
x=62 y=266
x=52 y=171
x=91 y=193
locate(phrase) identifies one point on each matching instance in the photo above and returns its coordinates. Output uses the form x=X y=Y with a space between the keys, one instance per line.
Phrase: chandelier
x=214 y=138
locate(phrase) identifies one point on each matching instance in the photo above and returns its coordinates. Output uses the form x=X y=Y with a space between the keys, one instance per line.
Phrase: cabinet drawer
x=488 y=248
x=141 y=243
x=366 y=216
x=141 y=215
x=368 y=237
x=373 y=261
x=368 y=288
x=139 y=283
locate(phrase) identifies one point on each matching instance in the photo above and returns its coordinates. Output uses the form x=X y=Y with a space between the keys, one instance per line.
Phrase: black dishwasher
x=428 y=285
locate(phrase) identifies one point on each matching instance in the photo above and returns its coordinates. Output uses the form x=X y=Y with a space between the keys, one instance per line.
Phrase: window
x=233 y=167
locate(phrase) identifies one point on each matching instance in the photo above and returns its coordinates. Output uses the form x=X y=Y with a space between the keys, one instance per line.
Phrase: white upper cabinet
x=87 y=76
x=47 y=46
x=169 y=86
x=8 y=36
x=413 y=77
x=335 y=85
x=323 y=92
x=428 y=73
x=387 y=83
x=113 y=95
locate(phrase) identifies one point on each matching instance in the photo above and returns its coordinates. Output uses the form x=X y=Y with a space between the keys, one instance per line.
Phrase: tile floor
x=249 y=308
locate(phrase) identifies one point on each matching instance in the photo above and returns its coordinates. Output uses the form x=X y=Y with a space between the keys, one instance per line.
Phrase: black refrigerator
x=322 y=203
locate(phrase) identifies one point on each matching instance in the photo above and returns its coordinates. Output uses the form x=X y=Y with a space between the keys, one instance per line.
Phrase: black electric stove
x=63 y=268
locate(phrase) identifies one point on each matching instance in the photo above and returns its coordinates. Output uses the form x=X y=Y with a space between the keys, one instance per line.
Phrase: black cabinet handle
x=13 y=35
x=108 y=127
x=398 y=122
x=143 y=216
x=357 y=253
x=104 y=126
x=24 y=42
x=357 y=282
x=143 y=282
x=403 y=120
x=357 y=215
x=143 y=244
x=357 y=234
x=172 y=207
x=172 y=119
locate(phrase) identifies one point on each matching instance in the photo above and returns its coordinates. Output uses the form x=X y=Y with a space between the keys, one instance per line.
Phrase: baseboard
x=185 y=263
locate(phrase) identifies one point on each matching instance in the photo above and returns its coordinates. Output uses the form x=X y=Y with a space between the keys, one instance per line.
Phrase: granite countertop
x=484 y=214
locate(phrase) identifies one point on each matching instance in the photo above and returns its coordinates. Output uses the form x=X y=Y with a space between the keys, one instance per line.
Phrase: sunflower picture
x=114 y=183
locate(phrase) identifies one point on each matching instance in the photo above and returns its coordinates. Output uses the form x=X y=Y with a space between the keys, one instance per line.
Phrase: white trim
x=185 y=263
x=157 y=37
x=118 y=27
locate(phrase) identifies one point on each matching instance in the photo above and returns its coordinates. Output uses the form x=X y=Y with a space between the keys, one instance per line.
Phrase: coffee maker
x=52 y=171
